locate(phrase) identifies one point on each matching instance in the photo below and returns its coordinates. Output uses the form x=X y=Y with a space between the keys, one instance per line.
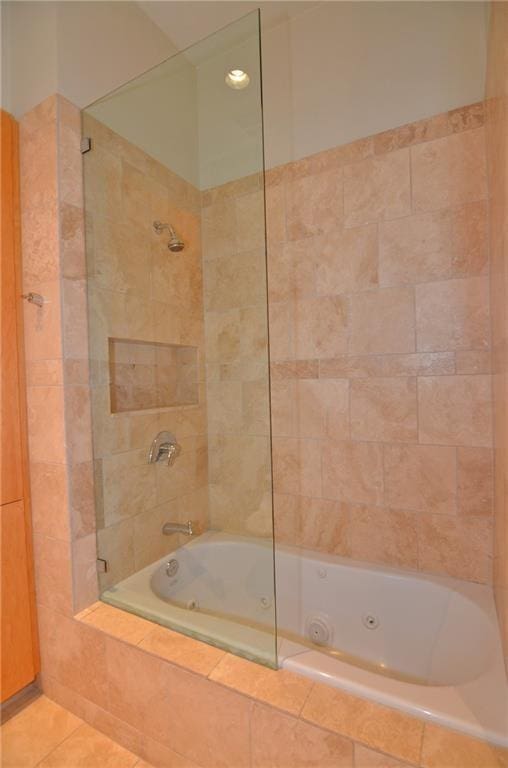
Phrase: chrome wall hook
x=34 y=298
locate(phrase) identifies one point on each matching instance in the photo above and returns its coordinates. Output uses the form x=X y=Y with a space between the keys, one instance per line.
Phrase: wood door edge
x=15 y=175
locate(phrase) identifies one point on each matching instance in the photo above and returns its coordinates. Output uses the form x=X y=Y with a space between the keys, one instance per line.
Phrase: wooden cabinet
x=19 y=650
x=18 y=658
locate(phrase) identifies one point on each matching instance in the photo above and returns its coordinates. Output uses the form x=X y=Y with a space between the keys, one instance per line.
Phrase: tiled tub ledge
x=180 y=703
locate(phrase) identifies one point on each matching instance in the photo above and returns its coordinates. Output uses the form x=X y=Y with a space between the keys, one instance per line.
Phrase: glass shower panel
x=177 y=295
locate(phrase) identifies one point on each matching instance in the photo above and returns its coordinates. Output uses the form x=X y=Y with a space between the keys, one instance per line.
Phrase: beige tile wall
x=236 y=345
x=97 y=670
x=497 y=159
x=141 y=291
x=380 y=348
x=60 y=446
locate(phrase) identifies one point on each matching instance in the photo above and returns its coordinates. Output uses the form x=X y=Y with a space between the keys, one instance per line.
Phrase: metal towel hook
x=34 y=298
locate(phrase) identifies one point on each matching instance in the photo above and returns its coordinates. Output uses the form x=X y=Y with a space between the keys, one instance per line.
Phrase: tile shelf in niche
x=145 y=375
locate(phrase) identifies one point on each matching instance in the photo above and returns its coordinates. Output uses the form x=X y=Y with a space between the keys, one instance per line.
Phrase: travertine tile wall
x=148 y=375
x=139 y=290
x=56 y=348
x=236 y=344
x=120 y=673
x=380 y=348
x=497 y=160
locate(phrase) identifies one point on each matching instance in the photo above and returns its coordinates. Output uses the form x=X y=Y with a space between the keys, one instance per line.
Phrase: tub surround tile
x=367 y=758
x=296 y=466
x=118 y=623
x=382 y=322
x=84 y=571
x=282 y=689
x=295 y=369
x=458 y=547
x=424 y=247
x=48 y=488
x=352 y=472
x=53 y=568
x=75 y=323
x=363 y=721
x=314 y=204
x=42 y=324
x=78 y=425
x=44 y=373
x=453 y=750
x=377 y=189
x=74 y=654
x=455 y=410
x=212 y=720
x=137 y=685
x=72 y=234
x=475 y=481
x=46 y=429
x=182 y=650
x=455 y=121
x=336 y=157
x=420 y=477
x=280 y=740
x=323 y=525
x=210 y=724
x=322 y=409
x=286 y=511
x=284 y=403
x=82 y=499
x=372 y=366
x=321 y=327
x=250 y=224
x=385 y=536
x=473 y=361
x=347 y=260
x=384 y=409
x=449 y=171
x=453 y=314
x=275 y=213
x=329 y=720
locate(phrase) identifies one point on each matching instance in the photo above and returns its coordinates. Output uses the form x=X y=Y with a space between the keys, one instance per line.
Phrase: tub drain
x=172 y=567
x=318 y=631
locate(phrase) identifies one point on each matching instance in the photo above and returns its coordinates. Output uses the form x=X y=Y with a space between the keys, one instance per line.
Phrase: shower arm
x=160 y=227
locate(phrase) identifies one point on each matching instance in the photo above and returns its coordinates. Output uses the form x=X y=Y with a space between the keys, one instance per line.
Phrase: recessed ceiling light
x=237 y=79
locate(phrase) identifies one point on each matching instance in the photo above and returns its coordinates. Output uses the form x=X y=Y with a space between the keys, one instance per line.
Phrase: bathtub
x=426 y=645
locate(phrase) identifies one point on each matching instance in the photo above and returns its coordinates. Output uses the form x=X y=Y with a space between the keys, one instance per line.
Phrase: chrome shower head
x=175 y=245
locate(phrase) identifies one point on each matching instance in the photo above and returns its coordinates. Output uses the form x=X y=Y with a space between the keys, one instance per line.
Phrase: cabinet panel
x=19 y=641
x=17 y=655
x=11 y=456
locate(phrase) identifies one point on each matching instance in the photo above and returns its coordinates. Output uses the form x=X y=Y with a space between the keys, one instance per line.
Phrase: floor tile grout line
x=59 y=744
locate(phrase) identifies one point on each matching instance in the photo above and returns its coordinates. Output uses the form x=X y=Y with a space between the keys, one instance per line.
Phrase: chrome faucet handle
x=171 y=450
x=163 y=445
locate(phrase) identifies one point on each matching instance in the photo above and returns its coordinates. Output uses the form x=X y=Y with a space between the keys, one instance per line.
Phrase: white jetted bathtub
x=426 y=645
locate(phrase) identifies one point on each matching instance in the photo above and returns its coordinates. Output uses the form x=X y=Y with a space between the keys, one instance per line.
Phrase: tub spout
x=185 y=528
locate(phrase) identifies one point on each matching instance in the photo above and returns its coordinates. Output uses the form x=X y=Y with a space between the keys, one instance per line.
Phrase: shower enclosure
x=376 y=383
x=177 y=295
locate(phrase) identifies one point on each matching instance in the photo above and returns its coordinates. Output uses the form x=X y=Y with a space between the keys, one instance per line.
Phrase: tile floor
x=46 y=735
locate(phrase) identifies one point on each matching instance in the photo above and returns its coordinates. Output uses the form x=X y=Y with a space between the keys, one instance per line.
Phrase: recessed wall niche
x=146 y=374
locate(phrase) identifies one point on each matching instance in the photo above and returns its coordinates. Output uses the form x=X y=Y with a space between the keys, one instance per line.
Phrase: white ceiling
x=187 y=21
